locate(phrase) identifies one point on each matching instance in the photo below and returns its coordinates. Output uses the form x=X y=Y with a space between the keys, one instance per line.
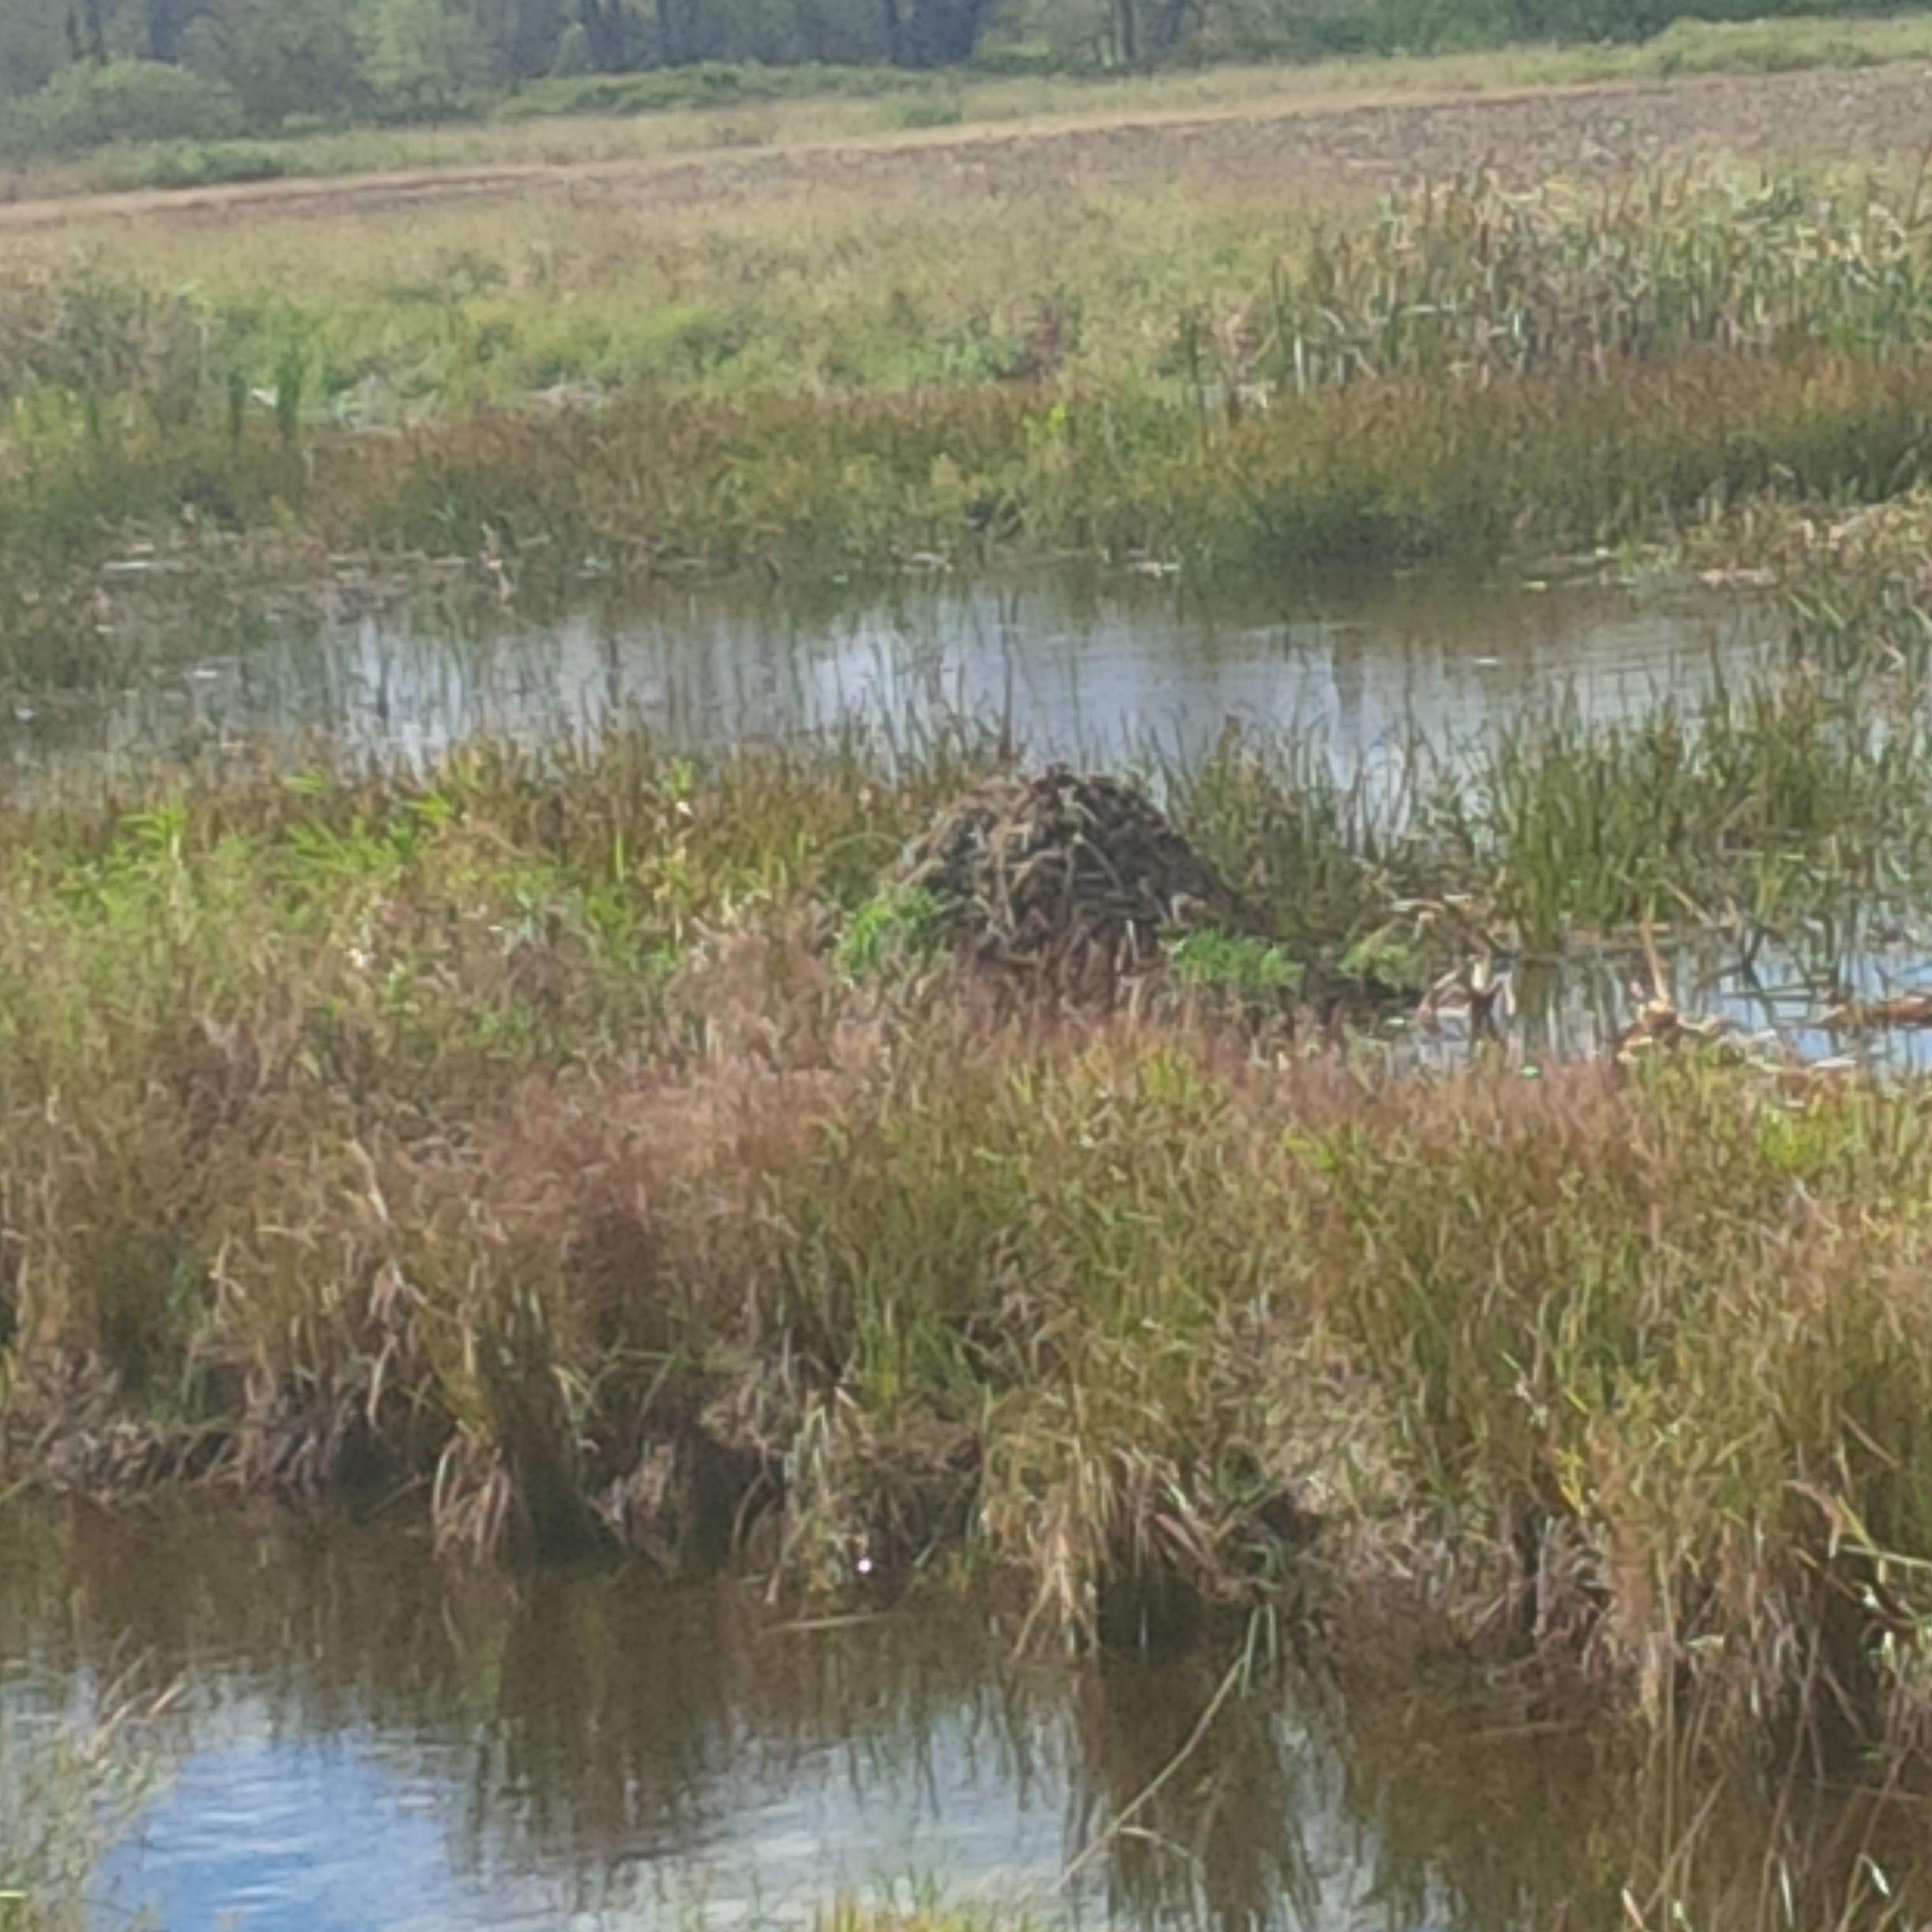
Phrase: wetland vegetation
x=1459 y=372
x=872 y=1163
x=71 y=1780
x=599 y=1140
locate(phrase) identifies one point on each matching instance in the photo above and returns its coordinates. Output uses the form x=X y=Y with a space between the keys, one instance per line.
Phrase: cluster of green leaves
x=896 y=923
x=1255 y=971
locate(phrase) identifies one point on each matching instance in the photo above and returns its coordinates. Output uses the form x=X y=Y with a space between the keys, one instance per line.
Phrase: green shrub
x=1689 y=46
x=424 y=61
x=196 y=164
x=572 y=90
x=281 y=57
x=86 y=106
x=941 y=112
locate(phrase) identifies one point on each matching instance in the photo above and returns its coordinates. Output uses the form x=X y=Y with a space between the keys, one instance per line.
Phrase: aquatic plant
x=70 y=1784
x=896 y=920
x=1474 y=280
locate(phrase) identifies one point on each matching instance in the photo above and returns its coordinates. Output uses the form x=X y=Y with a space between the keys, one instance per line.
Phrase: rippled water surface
x=1072 y=665
x=369 y=1741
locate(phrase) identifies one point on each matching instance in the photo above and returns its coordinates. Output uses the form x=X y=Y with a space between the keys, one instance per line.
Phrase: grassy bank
x=527 y=509
x=378 y=320
x=1463 y=372
x=581 y=1142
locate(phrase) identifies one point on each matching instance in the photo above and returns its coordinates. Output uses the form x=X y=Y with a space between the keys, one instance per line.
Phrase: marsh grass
x=808 y=488
x=560 y=1136
x=1471 y=279
x=1103 y=285
x=1469 y=371
x=70 y=1784
x=1766 y=804
x=581 y=1140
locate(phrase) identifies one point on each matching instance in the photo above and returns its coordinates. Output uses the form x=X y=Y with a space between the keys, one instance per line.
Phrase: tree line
x=338 y=48
x=157 y=68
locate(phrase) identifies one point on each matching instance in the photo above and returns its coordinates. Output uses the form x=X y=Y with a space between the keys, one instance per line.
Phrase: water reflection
x=372 y=1741
x=1071 y=666
x=1775 y=1000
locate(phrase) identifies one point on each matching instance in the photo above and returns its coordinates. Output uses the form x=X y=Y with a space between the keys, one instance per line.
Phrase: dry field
x=1881 y=116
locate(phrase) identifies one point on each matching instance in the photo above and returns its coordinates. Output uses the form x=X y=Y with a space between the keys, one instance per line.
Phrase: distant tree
x=525 y=33
x=81 y=60
x=424 y=56
x=89 y=102
x=854 y=32
x=605 y=38
x=942 y=33
x=573 y=53
x=1168 y=24
x=280 y=57
x=166 y=23
x=813 y=30
x=33 y=43
x=93 y=32
x=673 y=22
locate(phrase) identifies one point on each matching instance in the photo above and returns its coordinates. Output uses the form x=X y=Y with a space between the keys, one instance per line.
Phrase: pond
x=1075 y=663
x=1071 y=664
x=369 y=1741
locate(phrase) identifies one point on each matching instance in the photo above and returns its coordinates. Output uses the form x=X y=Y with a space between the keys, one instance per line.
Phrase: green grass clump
x=704 y=84
x=1253 y=969
x=193 y=164
x=896 y=922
